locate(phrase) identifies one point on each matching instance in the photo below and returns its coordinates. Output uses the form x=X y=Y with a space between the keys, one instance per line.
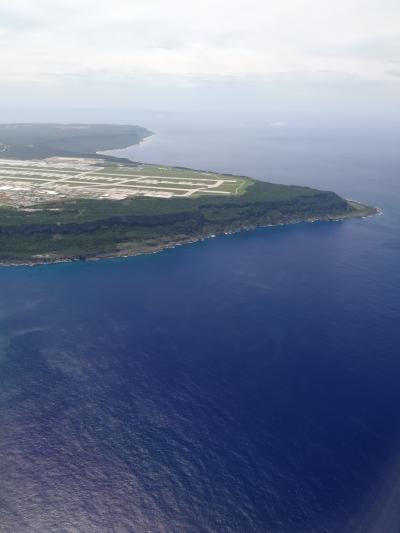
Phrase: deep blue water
x=246 y=383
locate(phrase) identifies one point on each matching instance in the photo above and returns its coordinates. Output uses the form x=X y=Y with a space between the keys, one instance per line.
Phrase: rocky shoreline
x=364 y=211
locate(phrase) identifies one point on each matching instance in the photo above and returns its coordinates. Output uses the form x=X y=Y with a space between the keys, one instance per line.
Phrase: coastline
x=367 y=212
x=113 y=155
x=88 y=231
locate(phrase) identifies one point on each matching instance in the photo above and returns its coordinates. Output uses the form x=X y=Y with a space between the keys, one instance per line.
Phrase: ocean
x=246 y=383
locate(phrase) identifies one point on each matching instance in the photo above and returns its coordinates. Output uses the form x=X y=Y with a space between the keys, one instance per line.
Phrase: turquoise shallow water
x=245 y=383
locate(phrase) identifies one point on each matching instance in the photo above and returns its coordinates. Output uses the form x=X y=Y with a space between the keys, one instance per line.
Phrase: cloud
x=277 y=124
x=393 y=72
x=57 y=43
x=192 y=39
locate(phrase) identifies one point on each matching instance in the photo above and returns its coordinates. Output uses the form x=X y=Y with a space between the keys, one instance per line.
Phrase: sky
x=300 y=55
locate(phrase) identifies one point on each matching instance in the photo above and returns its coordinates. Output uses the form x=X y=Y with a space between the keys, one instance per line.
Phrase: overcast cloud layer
x=159 y=53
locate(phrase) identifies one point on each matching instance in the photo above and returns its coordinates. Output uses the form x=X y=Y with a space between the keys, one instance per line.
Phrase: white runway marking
x=75 y=178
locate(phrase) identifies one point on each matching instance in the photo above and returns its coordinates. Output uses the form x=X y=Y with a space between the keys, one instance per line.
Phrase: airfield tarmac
x=29 y=182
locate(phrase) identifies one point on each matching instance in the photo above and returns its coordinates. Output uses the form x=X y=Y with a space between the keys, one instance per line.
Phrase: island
x=62 y=200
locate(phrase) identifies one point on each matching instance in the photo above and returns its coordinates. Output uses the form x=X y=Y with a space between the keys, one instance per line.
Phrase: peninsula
x=61 y=200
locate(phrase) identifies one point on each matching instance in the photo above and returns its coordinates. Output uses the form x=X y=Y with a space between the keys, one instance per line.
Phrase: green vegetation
x=30 y=141
x=92 y=228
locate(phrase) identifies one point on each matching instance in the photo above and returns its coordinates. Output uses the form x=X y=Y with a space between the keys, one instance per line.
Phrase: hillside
x=37 y=141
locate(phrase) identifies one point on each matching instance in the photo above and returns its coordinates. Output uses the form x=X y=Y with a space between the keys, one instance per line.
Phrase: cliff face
x=200 y=215
x=137 y=226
